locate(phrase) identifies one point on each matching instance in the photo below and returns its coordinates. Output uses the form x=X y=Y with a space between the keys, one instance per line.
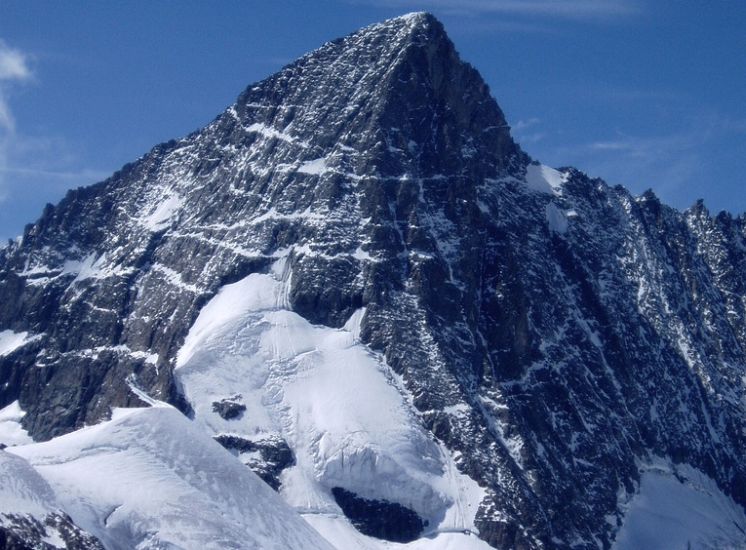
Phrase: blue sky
x=646 y=94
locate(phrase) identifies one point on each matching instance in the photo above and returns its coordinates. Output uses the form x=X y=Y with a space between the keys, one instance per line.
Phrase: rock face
x=552 y=331
x=380 y=519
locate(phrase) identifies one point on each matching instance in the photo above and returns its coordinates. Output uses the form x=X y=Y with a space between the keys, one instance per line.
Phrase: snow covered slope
x=150 y=479
x=30 y=515
x=341 y=410
x=677 y=507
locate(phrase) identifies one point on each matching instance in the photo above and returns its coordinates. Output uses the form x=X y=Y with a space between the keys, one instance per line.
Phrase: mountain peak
x=401 y=76
x=355 y=265
x=412 y=19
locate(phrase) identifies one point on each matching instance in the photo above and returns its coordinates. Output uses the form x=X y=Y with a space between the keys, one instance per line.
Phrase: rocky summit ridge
x=555 y=337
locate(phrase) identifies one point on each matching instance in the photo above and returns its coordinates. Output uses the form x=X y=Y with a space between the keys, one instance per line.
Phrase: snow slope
x=30 y=512
x=338 y=531
x=150 y=479
x=24 y=491
x=681 y=508
x=336 y=404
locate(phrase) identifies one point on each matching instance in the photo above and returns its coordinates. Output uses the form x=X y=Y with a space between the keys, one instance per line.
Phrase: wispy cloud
x=525 y=124
x=528 y=131
x=72 y=176
x=29 y=163
x=676 y=164
x=563 y=9
x=13 y=63
x=14 y=69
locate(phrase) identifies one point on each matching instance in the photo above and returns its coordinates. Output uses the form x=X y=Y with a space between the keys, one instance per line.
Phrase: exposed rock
x=266 y=457
x=378 y=518
x=229 y=408
x=24 y=532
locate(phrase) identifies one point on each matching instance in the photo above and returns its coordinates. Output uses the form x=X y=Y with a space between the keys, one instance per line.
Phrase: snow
x=271 y=133
x=54 y=538
x=162 y=214
x=11 y=341
x=337 y=405
x=668 y=513
x=544 y=179
x=340 y=532
x=24 y=491
x=149 y=478
x=11 y=431
x=174 y=278
x=314 y=167
x=92 y=267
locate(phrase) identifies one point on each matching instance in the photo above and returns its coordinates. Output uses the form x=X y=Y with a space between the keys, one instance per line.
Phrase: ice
x=149 y=478
x=668 y=513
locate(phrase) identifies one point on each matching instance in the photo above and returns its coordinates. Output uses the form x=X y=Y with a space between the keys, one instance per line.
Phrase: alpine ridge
x=358 y=284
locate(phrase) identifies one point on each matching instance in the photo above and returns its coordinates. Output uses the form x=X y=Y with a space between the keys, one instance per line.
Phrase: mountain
x=358 y=284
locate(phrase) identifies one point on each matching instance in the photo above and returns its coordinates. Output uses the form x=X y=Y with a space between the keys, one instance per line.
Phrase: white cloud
x=6 y=118
x=14 y=68
x=14 y=64
x=528 y=131
x=31 y=165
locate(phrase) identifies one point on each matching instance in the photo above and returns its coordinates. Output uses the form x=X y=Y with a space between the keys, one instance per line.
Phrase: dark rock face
x=583 y=329
x=270 y=456
x=229 y=408
x=378 y=518
x=22 y=532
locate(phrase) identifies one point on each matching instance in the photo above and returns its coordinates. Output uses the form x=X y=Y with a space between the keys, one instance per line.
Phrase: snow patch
x=11 y=341
x=544 y=179
x=11 y=431
x=92 y=267
x=269 y=132
x=314 y=167
x=163 y=213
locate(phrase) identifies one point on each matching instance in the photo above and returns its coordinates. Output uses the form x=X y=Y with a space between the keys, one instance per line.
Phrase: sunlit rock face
x=545 y=334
